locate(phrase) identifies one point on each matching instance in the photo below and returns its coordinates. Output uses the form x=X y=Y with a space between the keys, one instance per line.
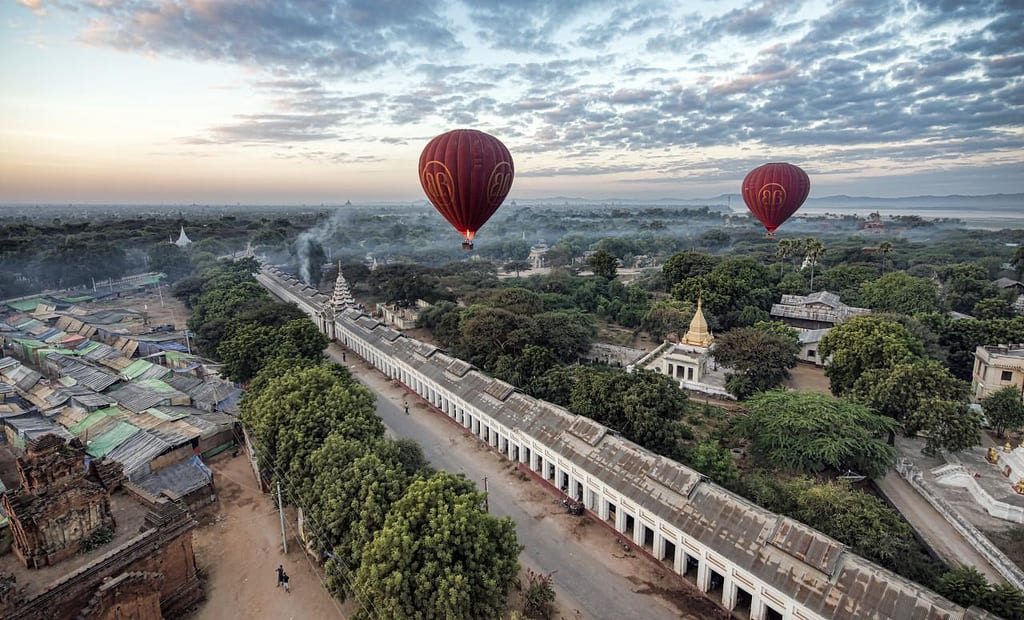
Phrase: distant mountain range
x=992 y=202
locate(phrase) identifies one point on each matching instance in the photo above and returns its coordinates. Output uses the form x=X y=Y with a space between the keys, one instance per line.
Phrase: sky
x=308 y=102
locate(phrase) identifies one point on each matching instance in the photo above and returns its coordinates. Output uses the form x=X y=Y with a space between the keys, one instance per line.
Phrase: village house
x=815 y=311
x=996 y=367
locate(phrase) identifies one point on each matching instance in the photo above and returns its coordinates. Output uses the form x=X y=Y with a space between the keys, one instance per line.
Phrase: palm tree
x=784 y=250
x=813 y=250
x=884 y=248
x=1018 y=260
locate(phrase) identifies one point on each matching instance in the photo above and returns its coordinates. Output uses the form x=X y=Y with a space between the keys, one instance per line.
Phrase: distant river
x=973 y=218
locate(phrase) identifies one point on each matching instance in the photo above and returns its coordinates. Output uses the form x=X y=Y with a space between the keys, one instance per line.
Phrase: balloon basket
x=770 y=236
x=467 y=245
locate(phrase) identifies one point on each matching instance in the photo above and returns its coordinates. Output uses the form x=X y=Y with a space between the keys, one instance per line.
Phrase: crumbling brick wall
x=164 y=549
x=57 y=507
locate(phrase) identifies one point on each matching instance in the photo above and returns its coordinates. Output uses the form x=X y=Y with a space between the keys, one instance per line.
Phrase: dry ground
x=238 y=546
x=808 y=378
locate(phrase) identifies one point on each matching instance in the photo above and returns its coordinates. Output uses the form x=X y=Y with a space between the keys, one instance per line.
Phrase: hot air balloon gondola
x=773 y=192
x=466 y=174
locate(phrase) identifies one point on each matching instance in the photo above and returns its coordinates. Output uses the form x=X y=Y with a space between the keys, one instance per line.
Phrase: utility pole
x=280 y=508
x=487 y=507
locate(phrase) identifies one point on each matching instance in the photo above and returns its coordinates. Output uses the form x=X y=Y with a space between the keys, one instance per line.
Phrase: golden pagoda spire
x=698 y=335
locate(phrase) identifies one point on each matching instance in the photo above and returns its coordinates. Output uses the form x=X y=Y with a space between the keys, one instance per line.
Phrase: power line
x=367 y=603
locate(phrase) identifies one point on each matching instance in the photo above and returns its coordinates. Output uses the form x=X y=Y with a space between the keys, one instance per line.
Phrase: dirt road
x=238 y=546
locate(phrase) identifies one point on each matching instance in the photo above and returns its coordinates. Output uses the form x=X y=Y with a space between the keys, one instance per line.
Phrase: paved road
x=933 y=527
x=585 y=578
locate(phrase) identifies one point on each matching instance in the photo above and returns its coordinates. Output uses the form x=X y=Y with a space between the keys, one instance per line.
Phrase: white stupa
x=183 y=240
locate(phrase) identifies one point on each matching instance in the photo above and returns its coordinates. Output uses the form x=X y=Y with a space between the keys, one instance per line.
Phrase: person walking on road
x=280 y=575
x=284 y=579
x=406 y=405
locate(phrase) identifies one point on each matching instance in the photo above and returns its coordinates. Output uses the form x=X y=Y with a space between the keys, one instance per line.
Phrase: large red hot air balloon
x=466 y=174
x=773 y=192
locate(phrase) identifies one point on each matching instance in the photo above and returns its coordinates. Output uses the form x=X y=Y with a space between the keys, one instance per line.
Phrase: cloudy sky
x=303 y=101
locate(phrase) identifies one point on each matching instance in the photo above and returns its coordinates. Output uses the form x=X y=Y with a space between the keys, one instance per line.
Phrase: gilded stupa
x=698 y=335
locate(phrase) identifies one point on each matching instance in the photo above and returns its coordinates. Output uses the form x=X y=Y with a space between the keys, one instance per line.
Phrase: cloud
x=272 y=128
x=579 y=83
x=328 y=38
x=36 y=6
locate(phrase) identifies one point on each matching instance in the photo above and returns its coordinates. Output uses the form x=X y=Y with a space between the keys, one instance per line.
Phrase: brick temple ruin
x=149 y=571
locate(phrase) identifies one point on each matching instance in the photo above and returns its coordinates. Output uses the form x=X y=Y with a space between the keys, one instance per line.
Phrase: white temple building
x=688 y=361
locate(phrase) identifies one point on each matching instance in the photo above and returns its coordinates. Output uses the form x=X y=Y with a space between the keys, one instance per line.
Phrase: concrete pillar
x=679 y=565
x=757 y=609
x=729 y=592
x=620 y=519
x=602 y=507
x=703 y=575
x=659 y=545
x=638 y=531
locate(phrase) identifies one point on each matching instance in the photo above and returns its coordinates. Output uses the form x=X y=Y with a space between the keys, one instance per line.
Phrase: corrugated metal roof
x=177 y=480
x=138 y=398
x=83 y=373
x=137 y=450
x=32 y=426
x=105 y=442
x=86 y=423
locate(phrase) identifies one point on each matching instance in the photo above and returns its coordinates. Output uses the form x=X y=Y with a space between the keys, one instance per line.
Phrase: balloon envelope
x=466 y=174
x=773 y=192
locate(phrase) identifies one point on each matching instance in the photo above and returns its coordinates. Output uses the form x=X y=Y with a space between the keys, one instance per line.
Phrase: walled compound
x=754 y=561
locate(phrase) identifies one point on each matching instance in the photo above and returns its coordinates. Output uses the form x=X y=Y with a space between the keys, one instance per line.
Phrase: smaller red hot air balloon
x=773 y=192
x=466 y=174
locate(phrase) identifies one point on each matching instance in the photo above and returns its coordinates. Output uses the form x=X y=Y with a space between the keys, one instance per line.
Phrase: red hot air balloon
x=466 y=174
x=773 y=192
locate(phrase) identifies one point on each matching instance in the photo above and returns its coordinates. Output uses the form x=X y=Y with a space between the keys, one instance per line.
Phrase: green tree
x=1005 y=601
x=784 y=251
x=858 y=519
x=884 y=249
x=715 y=462
x=250 y=345
x=814 y=250
x=733 y=284
x=488 y=333
x=965 y=284
x=1004 y=409
x=644 y=406
x=946 y=425
x=354 y=486
x=603 y=263
x=761 y=358
x=667 y=317
x=522 y=370
x=864 y=343
x=171 y=260
x=811 y=432
x=686 y=264
x=964 y=585
x=517 y=266
x=293 y=413
x=567 y=334
x=438 y=555
x=846 y=280
x=899 y=390
x=901 y=293
x=516 y=300
x=993 y=308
